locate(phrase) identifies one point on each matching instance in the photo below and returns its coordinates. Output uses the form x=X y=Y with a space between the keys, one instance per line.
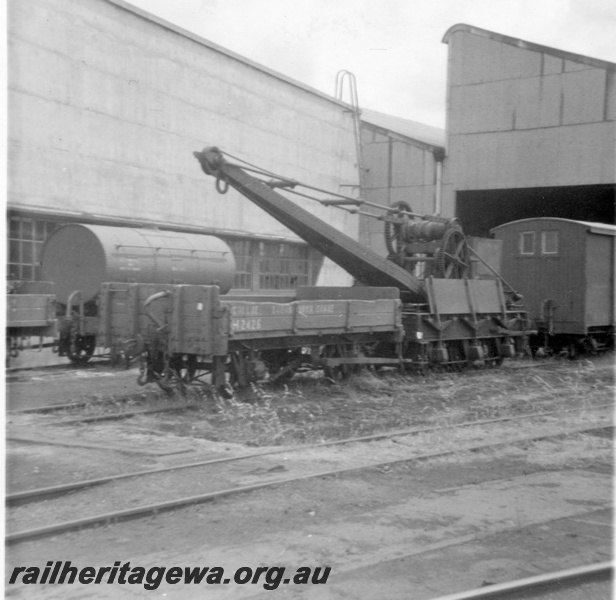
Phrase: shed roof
x=601 y=228
x=505 y=39
x=432 y=136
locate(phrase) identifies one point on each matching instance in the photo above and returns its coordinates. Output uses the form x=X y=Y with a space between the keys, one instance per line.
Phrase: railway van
x=565 y=271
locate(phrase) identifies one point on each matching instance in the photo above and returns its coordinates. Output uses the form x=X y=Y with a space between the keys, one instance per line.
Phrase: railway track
x=545 y=364
x=540 y=585
x=170 y=404
x=53 y=491
x=114 y=416
x=154 y=508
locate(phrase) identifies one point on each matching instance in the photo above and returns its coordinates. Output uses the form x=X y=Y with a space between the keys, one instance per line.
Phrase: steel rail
x=141 y=511
x=576 y=575
x=122 y=415
x=82 y=404
x=55 y=407
x=40 y=493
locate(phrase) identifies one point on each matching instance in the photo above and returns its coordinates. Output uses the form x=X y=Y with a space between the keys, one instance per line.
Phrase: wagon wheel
x=157 y=367
x=343 y=371
x=393 y=231
x=82 y=349
x=184 y=367
x=340 y=372
x=452 y=259
x=189 y=368
x=245 y=368
x=282 y=363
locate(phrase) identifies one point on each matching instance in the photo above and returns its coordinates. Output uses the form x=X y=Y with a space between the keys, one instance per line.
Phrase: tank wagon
x=417 y=308
x=565 y=270
x=77 y=259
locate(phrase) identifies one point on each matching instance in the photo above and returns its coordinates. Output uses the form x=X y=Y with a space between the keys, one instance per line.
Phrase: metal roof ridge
x=427 y=134
x=525 y=45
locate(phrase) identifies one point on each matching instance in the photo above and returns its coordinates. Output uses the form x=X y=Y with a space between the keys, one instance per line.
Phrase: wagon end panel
x=600 y=294
x=123 y=316
x=544 y=259
x=31 y=314
x=199 y=323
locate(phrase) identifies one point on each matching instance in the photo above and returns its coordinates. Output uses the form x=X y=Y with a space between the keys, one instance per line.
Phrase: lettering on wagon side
x=281 y=309
x=317 y=309
x=245 y=310
x=246 y=325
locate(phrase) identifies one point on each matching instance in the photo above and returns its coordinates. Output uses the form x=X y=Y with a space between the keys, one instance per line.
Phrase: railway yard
x=392 y=436
x=343 y=355
x=406 y=487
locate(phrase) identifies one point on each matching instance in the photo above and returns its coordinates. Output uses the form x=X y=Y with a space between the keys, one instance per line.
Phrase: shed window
x=242 y=251
x=273 y=265
x=549 y=242
x=527 y=243
x=283 y=266
x=26 y=239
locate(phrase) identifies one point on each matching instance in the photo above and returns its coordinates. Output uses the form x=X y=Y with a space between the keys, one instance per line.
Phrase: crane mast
x=365 y=265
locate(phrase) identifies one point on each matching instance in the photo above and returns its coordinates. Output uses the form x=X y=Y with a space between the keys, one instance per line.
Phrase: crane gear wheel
x=452 y=259
x=393 y=231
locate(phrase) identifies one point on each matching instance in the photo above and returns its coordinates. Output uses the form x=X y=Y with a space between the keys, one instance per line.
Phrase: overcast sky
x=393 y=47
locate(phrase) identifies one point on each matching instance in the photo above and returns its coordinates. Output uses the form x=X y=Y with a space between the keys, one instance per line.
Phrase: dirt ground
x=416 y=530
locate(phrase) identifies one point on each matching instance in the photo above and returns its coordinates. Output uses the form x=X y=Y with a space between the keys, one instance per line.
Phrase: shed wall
x=521 y=118
x=106 y=106
x=397 y=169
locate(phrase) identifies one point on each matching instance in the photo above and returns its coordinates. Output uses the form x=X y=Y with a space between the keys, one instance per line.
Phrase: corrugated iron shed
x=531 y=131
x=525 y=45
x=402 y=160
x=426 y=134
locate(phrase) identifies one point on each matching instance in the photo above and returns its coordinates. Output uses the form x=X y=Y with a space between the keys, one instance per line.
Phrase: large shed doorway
x=481 y=210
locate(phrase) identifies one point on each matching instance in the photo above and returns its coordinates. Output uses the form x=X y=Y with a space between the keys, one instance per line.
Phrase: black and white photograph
x=310 y=299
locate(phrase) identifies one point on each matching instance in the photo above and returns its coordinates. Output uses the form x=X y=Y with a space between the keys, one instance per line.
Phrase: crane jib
x=362 y=263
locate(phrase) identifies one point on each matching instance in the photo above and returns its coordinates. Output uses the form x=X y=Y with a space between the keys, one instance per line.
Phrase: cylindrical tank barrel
x=82 y=257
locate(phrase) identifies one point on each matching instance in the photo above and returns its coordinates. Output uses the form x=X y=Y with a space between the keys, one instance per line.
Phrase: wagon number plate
x=246 y=324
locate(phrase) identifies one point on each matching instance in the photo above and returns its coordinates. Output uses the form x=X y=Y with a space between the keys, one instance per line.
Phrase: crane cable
x=357 y=201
